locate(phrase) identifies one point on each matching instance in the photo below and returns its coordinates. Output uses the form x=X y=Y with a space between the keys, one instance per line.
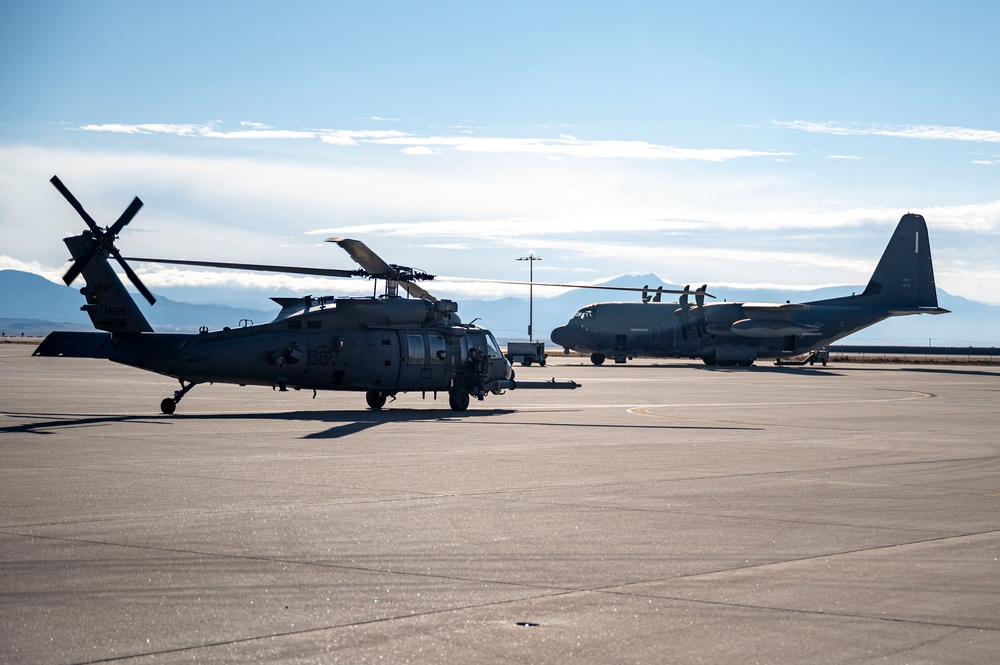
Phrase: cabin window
x=295 y=325
x=437 y=347
x=415 y=349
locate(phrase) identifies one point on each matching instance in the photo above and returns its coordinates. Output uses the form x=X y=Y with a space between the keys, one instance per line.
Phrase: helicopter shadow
x=341 y=423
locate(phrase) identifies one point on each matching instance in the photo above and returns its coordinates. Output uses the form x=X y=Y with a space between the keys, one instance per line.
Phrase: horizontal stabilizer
x=918 y=310
x=70 y=344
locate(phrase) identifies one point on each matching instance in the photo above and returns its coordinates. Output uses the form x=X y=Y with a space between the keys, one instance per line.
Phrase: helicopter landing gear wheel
x=375 y=399
x=458 y=400
x=597 y=358
x=168 y=405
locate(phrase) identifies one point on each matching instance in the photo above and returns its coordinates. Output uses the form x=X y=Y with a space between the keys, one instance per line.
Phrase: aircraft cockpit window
x=492 y=348
x=585 y=314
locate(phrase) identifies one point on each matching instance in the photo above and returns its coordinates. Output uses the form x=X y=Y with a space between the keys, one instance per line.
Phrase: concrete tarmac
x=664 y=512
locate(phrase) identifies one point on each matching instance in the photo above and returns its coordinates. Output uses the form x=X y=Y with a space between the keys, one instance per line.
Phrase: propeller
x=699 y=302
x=695 y=315
x=684 y=311
x=103 y=240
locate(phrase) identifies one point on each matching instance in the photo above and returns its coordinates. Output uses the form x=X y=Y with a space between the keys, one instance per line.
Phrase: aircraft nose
x=562 y=336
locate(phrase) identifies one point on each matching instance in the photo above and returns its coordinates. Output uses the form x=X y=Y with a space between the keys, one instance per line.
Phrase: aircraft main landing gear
x=169 y=404
x=375 y=399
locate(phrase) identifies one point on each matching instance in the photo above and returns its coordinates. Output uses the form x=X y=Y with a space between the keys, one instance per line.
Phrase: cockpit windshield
x=492 y=348
x=584 y=314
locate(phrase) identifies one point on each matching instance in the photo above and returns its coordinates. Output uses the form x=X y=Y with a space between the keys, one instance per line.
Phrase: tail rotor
x=103 y=240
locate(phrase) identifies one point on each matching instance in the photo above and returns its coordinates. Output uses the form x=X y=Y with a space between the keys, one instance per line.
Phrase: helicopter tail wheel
x=169 y=404
x=375 y=399
x=458 y=399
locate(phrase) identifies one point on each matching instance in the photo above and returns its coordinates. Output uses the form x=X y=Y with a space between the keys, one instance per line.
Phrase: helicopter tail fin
x=903 y=281
x=109 y=304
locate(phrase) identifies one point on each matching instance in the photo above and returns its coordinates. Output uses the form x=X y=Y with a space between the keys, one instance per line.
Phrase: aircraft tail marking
x=109 y=304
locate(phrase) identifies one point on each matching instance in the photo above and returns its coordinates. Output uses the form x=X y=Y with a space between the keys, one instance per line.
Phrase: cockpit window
x=584 y=314
x=492 y=348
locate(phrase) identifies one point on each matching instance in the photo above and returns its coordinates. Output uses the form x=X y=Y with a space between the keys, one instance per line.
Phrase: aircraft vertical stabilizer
x=109 y=304
x=904 y=277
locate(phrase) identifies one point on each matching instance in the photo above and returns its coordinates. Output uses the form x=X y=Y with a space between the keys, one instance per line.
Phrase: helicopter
x=380 y=345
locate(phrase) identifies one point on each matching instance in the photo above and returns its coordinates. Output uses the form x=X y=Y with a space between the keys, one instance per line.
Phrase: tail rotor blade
x=126 y=216
x=78 y=265
x=57 y=183
x=133 y=277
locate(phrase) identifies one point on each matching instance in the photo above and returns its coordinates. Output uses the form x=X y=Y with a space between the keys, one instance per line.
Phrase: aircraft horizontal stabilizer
x=72 y=344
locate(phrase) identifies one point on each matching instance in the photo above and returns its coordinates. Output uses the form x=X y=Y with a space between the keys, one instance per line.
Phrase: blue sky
x=738 y=143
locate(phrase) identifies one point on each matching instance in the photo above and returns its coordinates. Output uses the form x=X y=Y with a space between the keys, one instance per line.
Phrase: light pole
x=530 y=258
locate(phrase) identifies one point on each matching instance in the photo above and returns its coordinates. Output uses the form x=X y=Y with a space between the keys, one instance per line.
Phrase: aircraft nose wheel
x=458 y=399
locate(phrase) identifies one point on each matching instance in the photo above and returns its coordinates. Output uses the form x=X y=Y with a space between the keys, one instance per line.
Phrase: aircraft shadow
x=949 y=370
x=342 y=423
x=339 y=423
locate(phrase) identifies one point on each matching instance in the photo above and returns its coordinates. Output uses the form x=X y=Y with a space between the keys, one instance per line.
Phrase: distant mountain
x=34 y=305
x=33 y=302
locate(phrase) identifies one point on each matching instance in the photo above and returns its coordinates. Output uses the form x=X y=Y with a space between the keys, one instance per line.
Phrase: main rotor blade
x=417 y=291
x=76 y=205
x=365 y=257
x=320 y=272
x=133 y=277
x=126 y=217
x=567 y=286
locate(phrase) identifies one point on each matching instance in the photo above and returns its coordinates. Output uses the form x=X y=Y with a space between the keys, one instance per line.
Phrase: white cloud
x=927 y=132
x=706 y=223
x=563 y=146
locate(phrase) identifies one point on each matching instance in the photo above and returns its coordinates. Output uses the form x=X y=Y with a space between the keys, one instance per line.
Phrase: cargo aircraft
x=739 y=333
